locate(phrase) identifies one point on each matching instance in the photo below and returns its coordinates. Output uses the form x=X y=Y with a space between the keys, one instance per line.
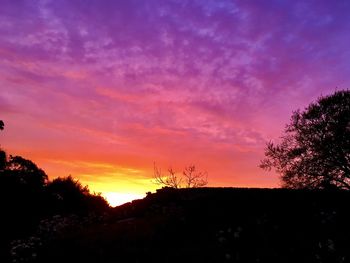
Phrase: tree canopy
x=26 y=171
x=1 y=125
x=314 y=151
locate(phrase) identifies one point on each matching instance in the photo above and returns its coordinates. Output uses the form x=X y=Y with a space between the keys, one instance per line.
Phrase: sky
x=101 y=90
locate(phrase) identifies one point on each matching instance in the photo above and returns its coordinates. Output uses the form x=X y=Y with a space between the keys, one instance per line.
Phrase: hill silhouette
x=214 y=225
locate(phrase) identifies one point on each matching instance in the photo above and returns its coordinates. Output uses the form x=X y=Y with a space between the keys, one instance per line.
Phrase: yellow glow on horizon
x=120 y=188
x=117 y=198
x=118 y=184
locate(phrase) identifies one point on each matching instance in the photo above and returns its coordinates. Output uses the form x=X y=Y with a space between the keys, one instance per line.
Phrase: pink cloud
x=132 y=82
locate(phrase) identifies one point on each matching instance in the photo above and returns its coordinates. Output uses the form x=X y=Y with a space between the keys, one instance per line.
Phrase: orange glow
x=104 y=105
x=118 y=184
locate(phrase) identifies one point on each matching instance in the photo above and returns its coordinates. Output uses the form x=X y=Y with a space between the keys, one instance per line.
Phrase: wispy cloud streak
x=132 y=82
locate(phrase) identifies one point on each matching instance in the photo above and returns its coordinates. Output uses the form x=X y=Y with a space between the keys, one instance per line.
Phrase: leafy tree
x=22 y=196
x=69 y=195
x=314 y=151
x=1 y=125
x=26 y=171
x=67 y=187
x=191 y=178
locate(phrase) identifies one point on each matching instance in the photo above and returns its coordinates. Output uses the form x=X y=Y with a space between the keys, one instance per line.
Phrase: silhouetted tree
x=22 y=196
x=69 y=195
x=26 y=172
x=67 y=186
x=314 y=151
x=170 y=180
x=191 y=178
x=194 y=178
x=27 y=197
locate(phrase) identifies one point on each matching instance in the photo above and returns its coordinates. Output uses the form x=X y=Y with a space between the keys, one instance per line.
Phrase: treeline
x=28 y=197
x=216 y=225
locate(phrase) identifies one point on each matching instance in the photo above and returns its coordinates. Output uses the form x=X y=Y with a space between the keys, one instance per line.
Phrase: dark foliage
x=216 y=225
x=1 y=125
x=315 y=149
x=25 y=172
x=70 y=196
x=27 y=197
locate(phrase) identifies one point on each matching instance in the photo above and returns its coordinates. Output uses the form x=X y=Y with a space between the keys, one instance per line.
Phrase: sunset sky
x=102 y=89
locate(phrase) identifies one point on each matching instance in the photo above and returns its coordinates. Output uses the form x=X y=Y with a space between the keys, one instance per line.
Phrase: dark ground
x=203 y=225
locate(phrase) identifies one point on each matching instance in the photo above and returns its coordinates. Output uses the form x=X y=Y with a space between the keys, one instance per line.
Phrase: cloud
x=168 y=80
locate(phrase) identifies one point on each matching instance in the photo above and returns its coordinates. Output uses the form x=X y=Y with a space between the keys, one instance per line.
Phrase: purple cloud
x=157 y=78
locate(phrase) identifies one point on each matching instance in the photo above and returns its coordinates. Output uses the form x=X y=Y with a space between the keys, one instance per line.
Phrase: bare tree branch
x=170 y=180
x=194 y=178
x=191 y=178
